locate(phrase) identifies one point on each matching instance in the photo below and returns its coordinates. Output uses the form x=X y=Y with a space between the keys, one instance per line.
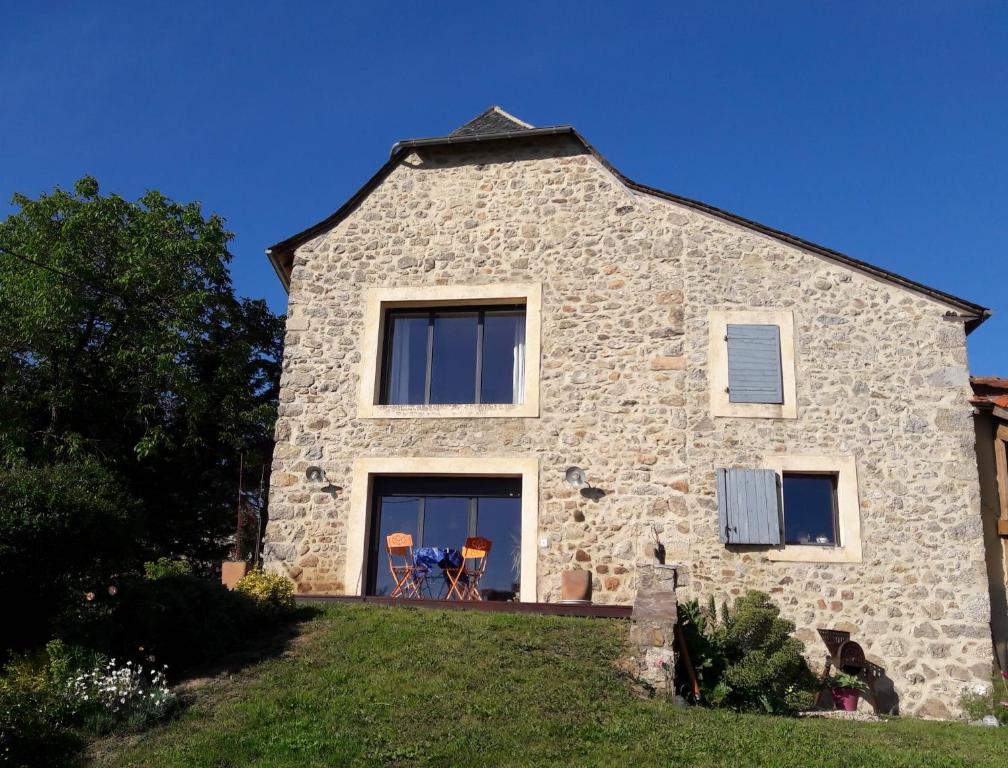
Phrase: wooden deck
x=545 y=609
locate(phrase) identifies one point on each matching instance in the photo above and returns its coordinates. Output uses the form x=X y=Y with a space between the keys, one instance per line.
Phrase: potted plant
x=243 y=554
x=845 y=690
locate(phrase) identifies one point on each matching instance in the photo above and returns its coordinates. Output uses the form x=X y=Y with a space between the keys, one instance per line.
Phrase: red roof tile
x=989 y=390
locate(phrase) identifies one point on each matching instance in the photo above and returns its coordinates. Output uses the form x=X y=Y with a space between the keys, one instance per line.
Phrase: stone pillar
x=652 y=631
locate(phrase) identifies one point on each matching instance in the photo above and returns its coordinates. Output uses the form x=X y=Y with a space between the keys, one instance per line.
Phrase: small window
x=810 y=509
x=454 y=356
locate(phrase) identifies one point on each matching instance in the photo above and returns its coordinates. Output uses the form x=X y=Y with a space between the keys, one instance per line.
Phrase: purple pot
x=845 y=698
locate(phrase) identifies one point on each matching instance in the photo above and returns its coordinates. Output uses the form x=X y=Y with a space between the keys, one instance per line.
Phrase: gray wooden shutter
x=754 y=364
x=748 y=506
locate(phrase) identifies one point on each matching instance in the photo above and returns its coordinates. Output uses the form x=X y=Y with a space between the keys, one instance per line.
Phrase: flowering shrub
x=272 y=592
x=166 y=566
x=111 y=695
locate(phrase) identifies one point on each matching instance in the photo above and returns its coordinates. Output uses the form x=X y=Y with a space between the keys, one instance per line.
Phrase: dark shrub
x=181 y=621
x=64 y=530
x=765 y=662
x=35 y=715
x=33 y=732
x=749 y=660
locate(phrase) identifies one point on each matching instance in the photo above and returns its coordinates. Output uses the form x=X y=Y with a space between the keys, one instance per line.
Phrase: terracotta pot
x=576 y=585
x=232 y=571
x=845 y=698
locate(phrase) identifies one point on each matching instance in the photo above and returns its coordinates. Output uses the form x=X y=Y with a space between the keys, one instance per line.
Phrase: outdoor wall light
x=317 y=476
x=576 y=477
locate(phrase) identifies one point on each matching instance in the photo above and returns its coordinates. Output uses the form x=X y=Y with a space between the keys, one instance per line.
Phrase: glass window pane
x=453 y=369
x=407 y=368
x=503 y=357
x=499 y=519
x=396 y=514
x=810 y=509
x=446 y=521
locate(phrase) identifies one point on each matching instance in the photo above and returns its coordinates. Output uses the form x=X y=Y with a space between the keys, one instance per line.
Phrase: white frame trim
x=381 y=299
x=717 y=364
x=848 y=509
x=359 y=521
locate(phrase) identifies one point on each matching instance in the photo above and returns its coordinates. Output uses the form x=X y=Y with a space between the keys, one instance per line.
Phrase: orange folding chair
x=463 y=582
x=408 y=578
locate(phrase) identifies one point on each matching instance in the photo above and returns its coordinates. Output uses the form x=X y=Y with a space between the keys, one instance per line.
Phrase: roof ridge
x=975 y=313
x=493 y=119
x=503 y=112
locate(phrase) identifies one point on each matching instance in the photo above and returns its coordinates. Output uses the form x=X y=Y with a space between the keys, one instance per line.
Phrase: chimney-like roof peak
x=491 y=121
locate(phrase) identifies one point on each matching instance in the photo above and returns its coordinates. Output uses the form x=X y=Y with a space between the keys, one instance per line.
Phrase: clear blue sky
x=881 y=132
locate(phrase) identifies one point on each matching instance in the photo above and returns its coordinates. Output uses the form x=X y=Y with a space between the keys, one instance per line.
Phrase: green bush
x=65 y=529
x=166 y=566
x=34 y=729
x=976 y=705
x=748 y=660
x=181 y=621
x=272 y=592
x=36 y=716
x=698 y=626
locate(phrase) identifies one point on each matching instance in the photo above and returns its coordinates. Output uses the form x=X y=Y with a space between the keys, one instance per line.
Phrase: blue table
x=445 y=558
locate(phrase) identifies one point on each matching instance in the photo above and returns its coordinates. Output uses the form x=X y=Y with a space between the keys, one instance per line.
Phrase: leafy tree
x=122 y=343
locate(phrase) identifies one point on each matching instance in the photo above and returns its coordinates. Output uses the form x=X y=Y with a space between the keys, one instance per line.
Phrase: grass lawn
x=369 y=685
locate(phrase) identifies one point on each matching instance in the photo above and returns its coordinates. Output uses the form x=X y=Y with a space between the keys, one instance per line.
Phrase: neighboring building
x=499 y=304
x=990 y=398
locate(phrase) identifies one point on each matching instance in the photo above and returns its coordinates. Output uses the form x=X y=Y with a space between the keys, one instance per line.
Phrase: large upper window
x=451 y=351
x=448 y=355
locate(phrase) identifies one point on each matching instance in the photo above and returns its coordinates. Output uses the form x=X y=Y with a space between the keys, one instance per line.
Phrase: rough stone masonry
x=628 y=280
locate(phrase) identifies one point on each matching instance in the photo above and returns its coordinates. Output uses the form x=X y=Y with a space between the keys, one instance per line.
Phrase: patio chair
x=463 y=582
x=409 y=577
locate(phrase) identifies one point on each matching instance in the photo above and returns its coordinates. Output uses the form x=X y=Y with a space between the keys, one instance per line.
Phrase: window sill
x=720 y=410
x=815 y=553
x=465 y=411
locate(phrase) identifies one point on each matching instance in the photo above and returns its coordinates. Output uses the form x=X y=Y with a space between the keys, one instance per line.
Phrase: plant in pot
x=243 y=554
x=845 y=690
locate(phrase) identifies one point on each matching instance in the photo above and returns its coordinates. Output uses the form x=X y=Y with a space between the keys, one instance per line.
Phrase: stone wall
x=628 y=280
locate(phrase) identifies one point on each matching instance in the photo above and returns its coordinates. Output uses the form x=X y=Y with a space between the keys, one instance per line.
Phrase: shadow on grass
x=272 y=642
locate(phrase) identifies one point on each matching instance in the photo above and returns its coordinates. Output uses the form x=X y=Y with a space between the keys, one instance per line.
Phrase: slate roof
x=496 y=125
x=494 y=120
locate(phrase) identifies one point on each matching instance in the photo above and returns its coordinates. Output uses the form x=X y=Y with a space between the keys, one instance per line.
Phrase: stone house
x=499 y=304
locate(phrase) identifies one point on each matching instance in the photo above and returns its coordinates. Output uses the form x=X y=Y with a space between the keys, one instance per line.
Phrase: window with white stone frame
x=451 y=351
x=820 y=509
x=802 y=508
x=366 y=490
x=454 y=355
x=751 y=364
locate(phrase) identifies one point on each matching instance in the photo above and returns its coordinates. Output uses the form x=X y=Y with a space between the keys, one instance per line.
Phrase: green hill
x=370 y=685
